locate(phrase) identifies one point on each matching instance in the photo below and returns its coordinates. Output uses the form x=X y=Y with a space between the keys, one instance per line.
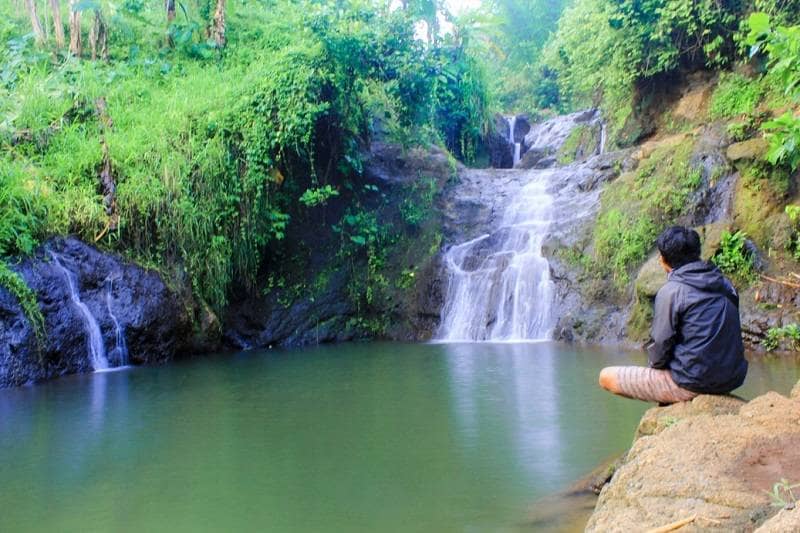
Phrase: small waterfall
x=97 y=350
x=121 y=348
x=603 y=137
x=499 y=286
x=512 y=126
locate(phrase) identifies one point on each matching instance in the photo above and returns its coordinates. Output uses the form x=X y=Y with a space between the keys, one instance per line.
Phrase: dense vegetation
x=191 y=136
x=212 y=143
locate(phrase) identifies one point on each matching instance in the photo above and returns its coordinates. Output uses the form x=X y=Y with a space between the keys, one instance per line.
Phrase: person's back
x=697 y=309
x=696 y=343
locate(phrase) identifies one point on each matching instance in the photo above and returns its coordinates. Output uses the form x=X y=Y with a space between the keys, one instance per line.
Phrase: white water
x=96 y=348
x=121 y=346
x=512 y=125
x=499 y=286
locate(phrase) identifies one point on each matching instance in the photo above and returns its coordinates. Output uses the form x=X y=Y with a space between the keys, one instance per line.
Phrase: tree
x=38 y=32
x=218 y=24
x=75 y=44
x=99 y=37
x=58 y=26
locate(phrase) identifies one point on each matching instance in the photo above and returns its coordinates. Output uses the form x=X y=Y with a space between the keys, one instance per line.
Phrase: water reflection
x=507 y=395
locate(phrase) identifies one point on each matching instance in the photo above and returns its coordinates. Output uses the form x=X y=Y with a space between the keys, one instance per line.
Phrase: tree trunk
x=98 y=38
x=75 y=45
x=58 y=26
x=169 y=5
x=38 y=32
x=218 y=25
x=107 y=181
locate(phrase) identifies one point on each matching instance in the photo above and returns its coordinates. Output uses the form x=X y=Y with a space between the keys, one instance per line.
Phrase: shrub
x=733 y=258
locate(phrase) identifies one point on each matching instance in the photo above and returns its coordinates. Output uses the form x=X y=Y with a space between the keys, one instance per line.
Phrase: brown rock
x=712 y=464
x=749 y=149
x=784 y=521
x=658 y=419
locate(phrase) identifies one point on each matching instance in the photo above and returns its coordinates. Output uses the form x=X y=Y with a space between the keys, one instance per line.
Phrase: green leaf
x=358 y=239
x=759 y=23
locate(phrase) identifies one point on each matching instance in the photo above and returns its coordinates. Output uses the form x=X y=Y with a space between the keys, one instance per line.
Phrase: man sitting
x=696 y=346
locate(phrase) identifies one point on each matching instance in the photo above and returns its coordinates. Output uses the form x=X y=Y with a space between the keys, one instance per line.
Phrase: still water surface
x=358 y=437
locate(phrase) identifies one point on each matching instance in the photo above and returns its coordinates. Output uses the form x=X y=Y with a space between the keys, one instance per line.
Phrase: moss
x=639 y=205
x=640 y=319
x=734 y=96
x=14 y=283
x=758 y=206
x=581 y=142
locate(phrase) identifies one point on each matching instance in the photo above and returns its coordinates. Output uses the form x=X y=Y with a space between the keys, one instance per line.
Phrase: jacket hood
x=703 y=276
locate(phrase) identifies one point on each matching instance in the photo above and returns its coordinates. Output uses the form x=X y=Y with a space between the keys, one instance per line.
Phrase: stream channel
x=356 y=437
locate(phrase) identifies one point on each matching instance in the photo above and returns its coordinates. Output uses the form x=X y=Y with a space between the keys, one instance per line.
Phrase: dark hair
x=679 y=246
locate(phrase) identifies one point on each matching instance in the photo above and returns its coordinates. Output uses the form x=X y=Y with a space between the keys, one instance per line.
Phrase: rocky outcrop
x=312 y=303
x=153 y=321
x=709 y=464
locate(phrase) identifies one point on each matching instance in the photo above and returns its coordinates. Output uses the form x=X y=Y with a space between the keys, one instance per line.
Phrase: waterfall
x=603 y=137
x=97 y=350
x=512 y=126
x=121 y=348
x=499 y=286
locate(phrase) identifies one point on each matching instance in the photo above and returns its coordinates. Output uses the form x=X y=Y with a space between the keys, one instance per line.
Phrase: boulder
x=154 y=323
x=706 y=465
x=786 y=520
x=750 y=149
x=650 y=278
x=657 y=419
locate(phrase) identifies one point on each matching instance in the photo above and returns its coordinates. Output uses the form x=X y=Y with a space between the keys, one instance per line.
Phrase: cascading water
x=96 y=348
x=121 y=348
x=499 y=285
x=512 y=126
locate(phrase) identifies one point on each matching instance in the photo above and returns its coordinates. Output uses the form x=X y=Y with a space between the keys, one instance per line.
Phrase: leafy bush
x=782 y=46
x=789 y=333
x=733 y=258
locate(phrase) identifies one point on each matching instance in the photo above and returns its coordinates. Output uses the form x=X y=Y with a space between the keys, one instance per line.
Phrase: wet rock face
x=154 y=323
x=713 y=459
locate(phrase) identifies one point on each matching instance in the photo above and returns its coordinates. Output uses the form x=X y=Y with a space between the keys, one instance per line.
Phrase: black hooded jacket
x=696 y=331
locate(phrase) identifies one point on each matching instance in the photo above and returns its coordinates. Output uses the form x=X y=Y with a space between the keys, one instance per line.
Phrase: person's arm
x=664 y=331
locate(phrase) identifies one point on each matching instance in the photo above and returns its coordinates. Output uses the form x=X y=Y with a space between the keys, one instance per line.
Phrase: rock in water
x=704 y=460
x=154 y=323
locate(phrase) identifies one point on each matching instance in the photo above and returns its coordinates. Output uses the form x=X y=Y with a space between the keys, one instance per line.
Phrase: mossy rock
x=749 y=149
x=758 y=210
x=581 y=143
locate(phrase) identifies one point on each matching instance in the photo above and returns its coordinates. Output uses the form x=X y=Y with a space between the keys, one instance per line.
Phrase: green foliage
x=318 y=196
x=213 y=151
x=789 y=333
x=604 y=49
x=782 y=494
x=783 y=135
x=734 y=96
x=782 y=46
x=733 y=258
x=638 y=206
x=14 y=283
x=793 y=212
